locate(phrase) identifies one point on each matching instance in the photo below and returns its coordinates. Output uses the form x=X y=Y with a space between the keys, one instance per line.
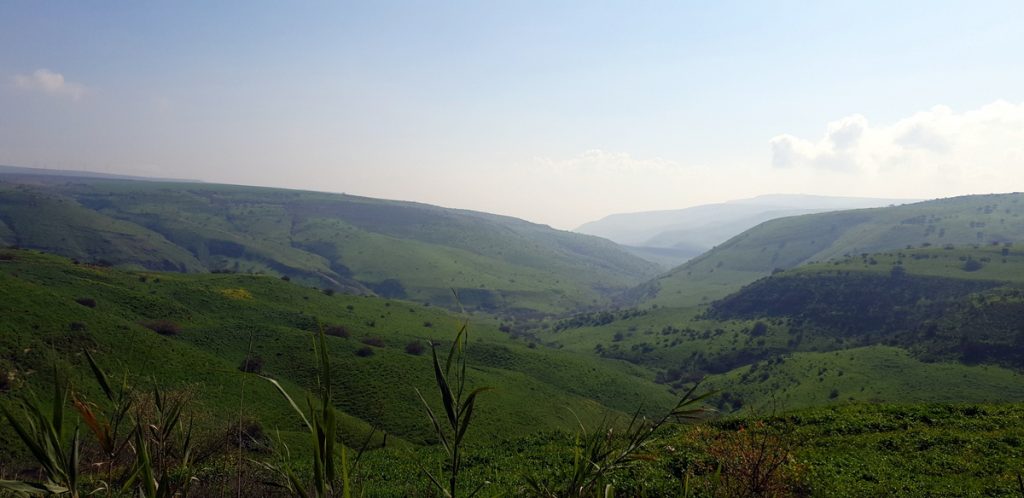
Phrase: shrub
x=76 y=327
x=756 y=461
x=88 y=302
x=329 y=292
x=414 y=348
x=337 y=331
x=163 y=327
x=286 y=278
x=373 y=341
x=364 y=352
x=972 y=265
x=6 y=256
x=252 y=364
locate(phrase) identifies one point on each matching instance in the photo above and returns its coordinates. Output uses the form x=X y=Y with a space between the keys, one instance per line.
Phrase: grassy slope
x=845 y=450
x=40 y=323
x=790 y=242
x=840 y=317
x=399 y=249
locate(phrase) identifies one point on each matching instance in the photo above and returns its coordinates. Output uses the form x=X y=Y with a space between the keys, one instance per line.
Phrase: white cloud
x=51 y=83
x=976 y=147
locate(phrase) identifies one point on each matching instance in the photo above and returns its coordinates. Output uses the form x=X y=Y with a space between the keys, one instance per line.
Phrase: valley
x=789 y=327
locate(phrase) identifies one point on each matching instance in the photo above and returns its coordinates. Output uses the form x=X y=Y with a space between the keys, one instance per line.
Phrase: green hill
x=354 y=244
x=880 y=326
x=790 y=242
x=192 y=332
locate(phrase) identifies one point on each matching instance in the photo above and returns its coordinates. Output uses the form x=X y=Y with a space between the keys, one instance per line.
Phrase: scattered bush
x=414 y=348
x=364 y=352
x=337 y=331
x=6 y=256
x=286 y=278
x=76 y=327
x=972 y=265
x=373 y=341
x=88 y=302
x=252 y=364
x=249 y=435
x=163 y=327
x=328 y=292
x=428 y=324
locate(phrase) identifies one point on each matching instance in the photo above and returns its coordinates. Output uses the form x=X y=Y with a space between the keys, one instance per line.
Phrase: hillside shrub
x=364 y=352
x=88 y=302
x=756 y=461
x=6 y=256
x=252 y=364
x=373 y=341
x=163 y=327
x=337 y=331
x=972 y=265
x=414 y=348
x=76 y=327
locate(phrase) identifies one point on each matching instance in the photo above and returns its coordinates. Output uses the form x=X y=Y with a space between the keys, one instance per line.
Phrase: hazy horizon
x=556 y=114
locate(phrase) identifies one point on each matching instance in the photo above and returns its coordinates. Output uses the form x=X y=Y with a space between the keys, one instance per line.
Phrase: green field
x=218 y=315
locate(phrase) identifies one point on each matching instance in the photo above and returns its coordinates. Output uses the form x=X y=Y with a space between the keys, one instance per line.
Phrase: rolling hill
x=191 y=332
x=790 y=242
x=867 y=327
x=343 y=242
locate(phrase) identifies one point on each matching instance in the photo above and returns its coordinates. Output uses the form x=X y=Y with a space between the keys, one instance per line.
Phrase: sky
x=556 y=112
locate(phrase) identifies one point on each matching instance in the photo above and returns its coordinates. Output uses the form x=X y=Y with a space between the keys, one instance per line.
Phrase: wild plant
x=322 y=424
x=601 y=452
x=111 y=426
x=458 y=410
x=44 y=435
x=756 y=460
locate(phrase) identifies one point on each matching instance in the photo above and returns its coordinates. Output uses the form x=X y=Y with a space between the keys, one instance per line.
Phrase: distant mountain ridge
x=22 y=171
x=691 y=231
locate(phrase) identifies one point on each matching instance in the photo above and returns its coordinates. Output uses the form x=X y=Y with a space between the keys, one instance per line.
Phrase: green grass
x=864 y=374
x=875 y=334
x=848 y=450
x=353 y=244
x=217 y=314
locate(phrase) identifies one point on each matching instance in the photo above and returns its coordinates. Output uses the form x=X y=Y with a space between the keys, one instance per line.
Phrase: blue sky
x=556 y=112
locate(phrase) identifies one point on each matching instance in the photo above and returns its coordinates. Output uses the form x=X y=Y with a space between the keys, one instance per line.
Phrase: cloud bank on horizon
x=935 y=152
